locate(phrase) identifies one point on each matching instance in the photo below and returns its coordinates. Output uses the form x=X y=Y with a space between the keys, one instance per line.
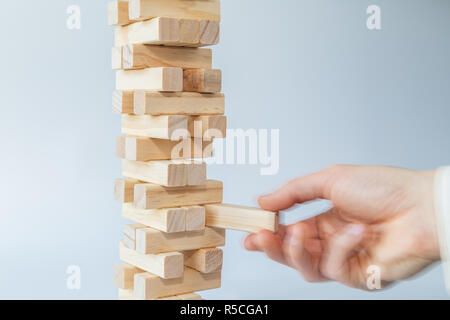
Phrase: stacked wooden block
x=172 y=109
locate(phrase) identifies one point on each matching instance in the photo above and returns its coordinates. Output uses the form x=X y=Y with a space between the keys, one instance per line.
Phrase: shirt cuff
x=442 y=209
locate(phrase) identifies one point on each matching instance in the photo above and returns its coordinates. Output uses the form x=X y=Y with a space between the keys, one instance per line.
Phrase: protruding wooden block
x=209 y=32
x=161 y=127
x=148 y=149
x=186 y=9
x=118 y=13
x=202 y=80
x=169 y=173
x=150 y=240
x=123 y=102
x=208 y=127
x=130 y=229
x=138 y=56
x=152 y=196
x=165 y=265
x=169 y=32
x=158 y=31
x=116 y=58
x=124 y=190
x=241 y=218
x=186 y=103
x=195 y=218
x=124 y=276
x=154 y=79
x=167 y=220
x=147 y=286
x=204 y=260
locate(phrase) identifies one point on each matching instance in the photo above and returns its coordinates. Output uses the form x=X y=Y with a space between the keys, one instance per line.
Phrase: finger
x=297 y=253
x=251 y=245
x=269 y=243
x=300 y=190
x=338 y=251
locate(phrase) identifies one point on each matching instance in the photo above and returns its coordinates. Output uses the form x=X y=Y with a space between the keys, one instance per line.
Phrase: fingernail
x=355 y=230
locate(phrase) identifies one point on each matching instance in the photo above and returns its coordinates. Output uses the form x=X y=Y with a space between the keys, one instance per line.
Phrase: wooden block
x=189 y=31
x=158 y=31
x=150 y=240
x=123 y=102
x=152 y=196
x=196 y=172
x=148 y=286
x=165 y=265
x=187 y=103
x=209 y=32
x=240 y=218
x=116 y=58
x=138 y=56
x=129 y=243
x=208 y=127
x=169 y=173
x=130 y=229
x=202 y=80
x=129 y=295
x=170 y=127
x=148 y=149
x=167 y=220
x=155 y=79
x=185 y=9
x=195 y=218
x=124 y=190
x=204 y=260
x=118 y=13
x=124 y=276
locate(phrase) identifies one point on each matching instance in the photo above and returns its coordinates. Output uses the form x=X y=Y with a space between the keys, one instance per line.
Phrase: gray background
x=338 y=92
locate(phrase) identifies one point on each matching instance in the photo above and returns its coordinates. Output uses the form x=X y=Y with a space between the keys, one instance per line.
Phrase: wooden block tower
x=169 y=99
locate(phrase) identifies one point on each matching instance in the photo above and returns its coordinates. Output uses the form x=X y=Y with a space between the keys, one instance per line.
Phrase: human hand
x=381 y=216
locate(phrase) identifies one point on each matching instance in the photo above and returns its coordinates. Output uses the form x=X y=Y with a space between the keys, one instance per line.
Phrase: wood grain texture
x=204 y=260
x=169 y=32
x=241 y=218
x=116 y=58
x=166 y=220
x=124 y=189
x=124 y=276
x=169 y=173
x=209 y=32
x=148 y=149
x=165 y=265
x=208 y=127
x=129 y=230
x=118 y=13
x=147 y=286
x=185 y=9
x=202 y=80
x=195 y=218
x=158 y=31
x=138 y=56
x=170 y=127
x=184 y=103
x=152 y=196
x=129 y=243
x=153 y=79
x=123 y=102
x=152 y=241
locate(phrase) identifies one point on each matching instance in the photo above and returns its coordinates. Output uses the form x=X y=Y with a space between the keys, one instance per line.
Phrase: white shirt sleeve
x=442 y=208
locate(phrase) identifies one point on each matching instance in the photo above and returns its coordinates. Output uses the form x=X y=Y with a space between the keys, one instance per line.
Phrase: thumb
x=338 y=250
